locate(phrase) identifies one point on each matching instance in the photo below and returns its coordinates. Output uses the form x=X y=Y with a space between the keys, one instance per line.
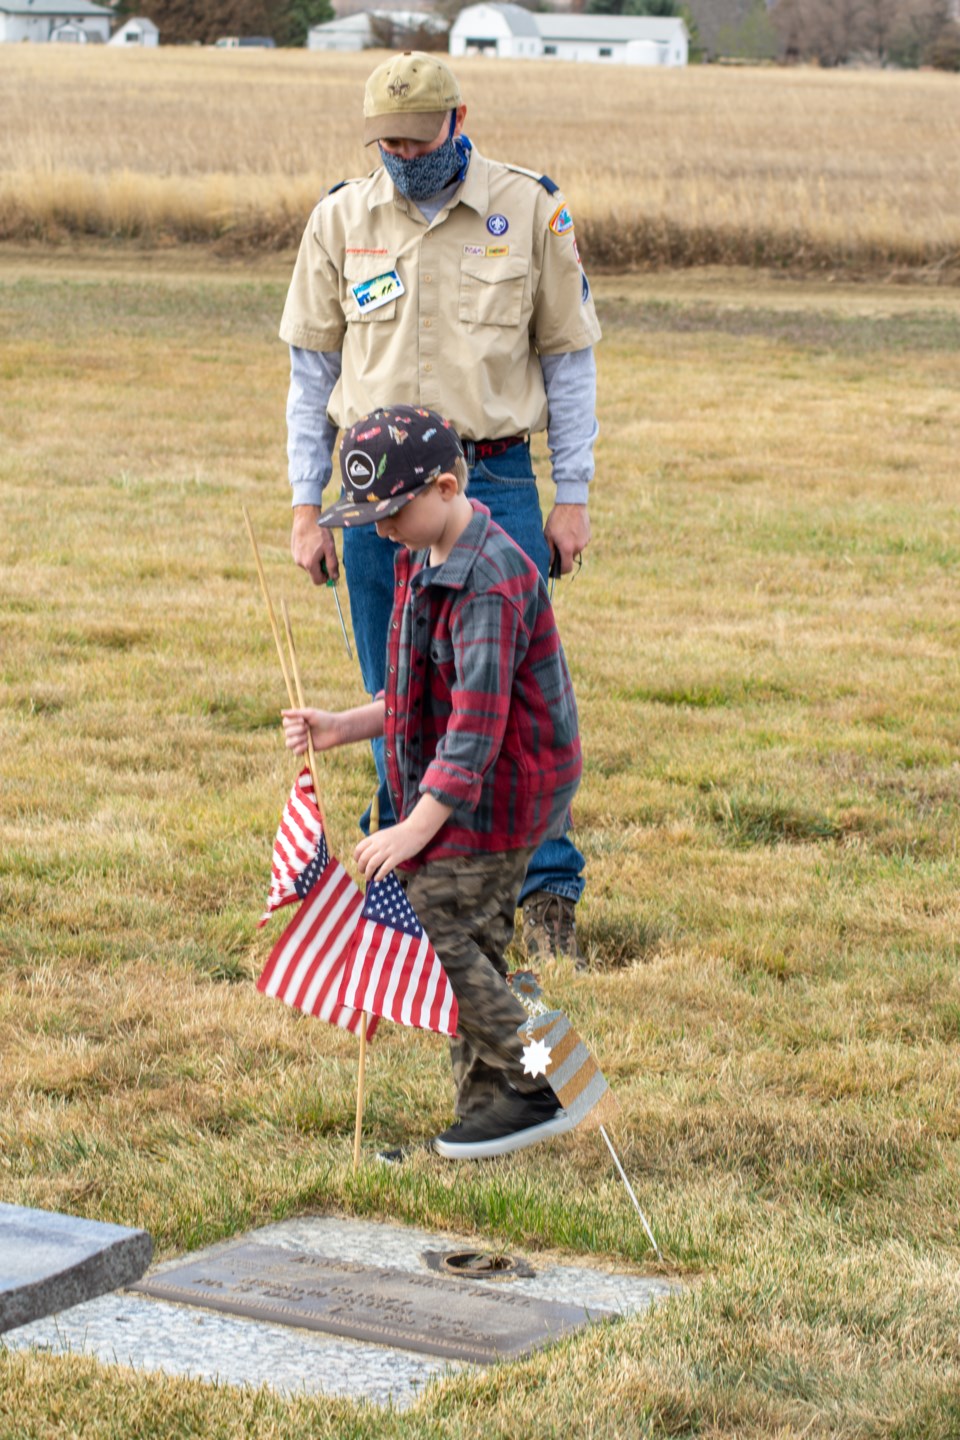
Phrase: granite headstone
x=50 y=1262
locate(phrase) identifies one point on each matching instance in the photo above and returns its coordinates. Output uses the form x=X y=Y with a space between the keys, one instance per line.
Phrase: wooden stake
x=362 y=1066
x=270 y=611
x=311 y=753
x=361 y=1071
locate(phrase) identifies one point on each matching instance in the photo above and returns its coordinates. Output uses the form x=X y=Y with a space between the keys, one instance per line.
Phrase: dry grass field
x=806 y=169
x=764 y=639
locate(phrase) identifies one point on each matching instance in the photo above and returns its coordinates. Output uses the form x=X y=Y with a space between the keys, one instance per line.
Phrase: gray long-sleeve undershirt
x=570 y=380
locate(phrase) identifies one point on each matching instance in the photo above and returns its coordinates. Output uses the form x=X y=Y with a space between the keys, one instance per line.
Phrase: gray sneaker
x=511 y=1122
x=550 y=928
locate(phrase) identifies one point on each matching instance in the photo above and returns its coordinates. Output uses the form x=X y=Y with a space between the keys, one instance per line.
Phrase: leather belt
x=475 y=450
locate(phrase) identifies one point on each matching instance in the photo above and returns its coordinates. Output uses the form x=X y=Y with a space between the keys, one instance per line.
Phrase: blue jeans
x=507 y=486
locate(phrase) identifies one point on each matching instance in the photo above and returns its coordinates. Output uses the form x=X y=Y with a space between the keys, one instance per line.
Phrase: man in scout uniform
x=452 y=282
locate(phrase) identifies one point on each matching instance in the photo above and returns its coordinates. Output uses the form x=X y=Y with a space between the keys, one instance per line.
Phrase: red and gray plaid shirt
x=479 y=703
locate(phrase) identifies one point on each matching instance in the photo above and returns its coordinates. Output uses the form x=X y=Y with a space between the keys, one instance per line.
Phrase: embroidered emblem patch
x=584 y=289
x=371 y=294
x=498 y=250
x=360 y=470
x=398 y=88
x=499 y=224
x=561 y=221
x=474 y=250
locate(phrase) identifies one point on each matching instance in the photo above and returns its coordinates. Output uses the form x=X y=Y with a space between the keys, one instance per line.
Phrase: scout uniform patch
x=561 y=221
x=371 y=294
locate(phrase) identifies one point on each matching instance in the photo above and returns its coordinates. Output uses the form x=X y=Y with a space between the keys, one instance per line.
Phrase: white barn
x=138 y=30
x=37 y=20
x=509 y=31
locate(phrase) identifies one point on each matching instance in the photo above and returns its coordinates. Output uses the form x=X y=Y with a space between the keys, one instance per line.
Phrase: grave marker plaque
x=399 y=1308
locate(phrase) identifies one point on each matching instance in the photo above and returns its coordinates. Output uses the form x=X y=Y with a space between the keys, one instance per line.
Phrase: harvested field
x=792 y=168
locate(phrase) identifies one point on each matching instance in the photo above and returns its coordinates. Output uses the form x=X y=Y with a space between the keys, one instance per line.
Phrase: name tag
x=371 y=294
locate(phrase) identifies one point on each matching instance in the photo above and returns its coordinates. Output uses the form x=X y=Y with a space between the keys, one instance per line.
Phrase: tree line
x=828 y=32
x=203 y=22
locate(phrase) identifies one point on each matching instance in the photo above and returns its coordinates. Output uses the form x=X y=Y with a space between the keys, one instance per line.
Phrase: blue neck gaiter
x=425 y=175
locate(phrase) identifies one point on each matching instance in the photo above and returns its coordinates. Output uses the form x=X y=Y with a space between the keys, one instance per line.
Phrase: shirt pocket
x=360 y=270
x=443 y=668
x=491 y=290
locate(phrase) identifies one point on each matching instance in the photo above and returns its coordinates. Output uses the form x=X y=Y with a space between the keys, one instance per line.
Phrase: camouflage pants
x=467 y=907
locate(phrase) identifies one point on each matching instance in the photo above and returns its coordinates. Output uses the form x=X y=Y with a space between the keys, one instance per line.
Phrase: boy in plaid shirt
x=482 y=748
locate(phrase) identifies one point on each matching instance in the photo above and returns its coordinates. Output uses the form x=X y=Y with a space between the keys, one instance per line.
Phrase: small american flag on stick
x=393 y=969
x=296 y=850
x=306 y=965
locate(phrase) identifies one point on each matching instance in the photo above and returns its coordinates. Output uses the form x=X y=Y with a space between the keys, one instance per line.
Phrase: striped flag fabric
x=296 y=864
x=555 y=1050
x=307 y=965
x=393 y=969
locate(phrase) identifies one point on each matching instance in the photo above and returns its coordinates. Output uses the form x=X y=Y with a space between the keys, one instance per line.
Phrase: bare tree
x=824 y=30
x=876 y=23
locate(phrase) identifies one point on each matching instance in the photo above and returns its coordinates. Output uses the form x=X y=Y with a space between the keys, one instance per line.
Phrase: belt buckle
x=486 y=449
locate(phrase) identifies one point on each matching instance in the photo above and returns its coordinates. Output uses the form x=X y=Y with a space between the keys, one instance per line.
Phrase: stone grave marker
x=384 y=1306
x=51 y=1262
x=263 y=1277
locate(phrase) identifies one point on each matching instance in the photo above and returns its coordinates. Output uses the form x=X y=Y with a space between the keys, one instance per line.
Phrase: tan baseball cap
x=407 y=98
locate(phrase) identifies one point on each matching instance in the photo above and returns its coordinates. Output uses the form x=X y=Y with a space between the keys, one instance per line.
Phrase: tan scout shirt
x=481 y=301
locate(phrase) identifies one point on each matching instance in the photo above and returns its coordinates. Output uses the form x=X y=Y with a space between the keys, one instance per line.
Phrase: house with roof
x=78 y=21
x=388 y=29
x=138 y=30
x=510 y=31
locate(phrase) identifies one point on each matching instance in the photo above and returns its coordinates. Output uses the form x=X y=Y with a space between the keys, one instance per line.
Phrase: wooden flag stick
x=311 y=753
x=616 y=1161
x=270 y=611
x=362 y=1066
x=361 y=1071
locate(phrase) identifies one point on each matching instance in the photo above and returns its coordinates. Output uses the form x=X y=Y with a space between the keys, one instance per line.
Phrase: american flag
x=393 y=969
x=307 y=965
x=297 y=862
x=570 y=1069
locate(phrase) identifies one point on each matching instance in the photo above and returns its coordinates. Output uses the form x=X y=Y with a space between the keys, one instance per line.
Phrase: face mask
x=425 y=175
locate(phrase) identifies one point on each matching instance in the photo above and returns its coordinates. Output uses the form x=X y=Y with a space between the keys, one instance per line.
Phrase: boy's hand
x=384 y=850
x=322 y=725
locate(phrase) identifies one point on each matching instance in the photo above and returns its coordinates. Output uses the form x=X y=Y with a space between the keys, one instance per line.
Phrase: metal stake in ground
x=636 y=1202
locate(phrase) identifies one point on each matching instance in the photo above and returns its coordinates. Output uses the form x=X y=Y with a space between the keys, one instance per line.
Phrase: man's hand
x=313 y=548
x=568 y=533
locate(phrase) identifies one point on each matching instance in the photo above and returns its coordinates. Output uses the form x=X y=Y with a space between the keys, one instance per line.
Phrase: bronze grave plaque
x=400 y=1308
